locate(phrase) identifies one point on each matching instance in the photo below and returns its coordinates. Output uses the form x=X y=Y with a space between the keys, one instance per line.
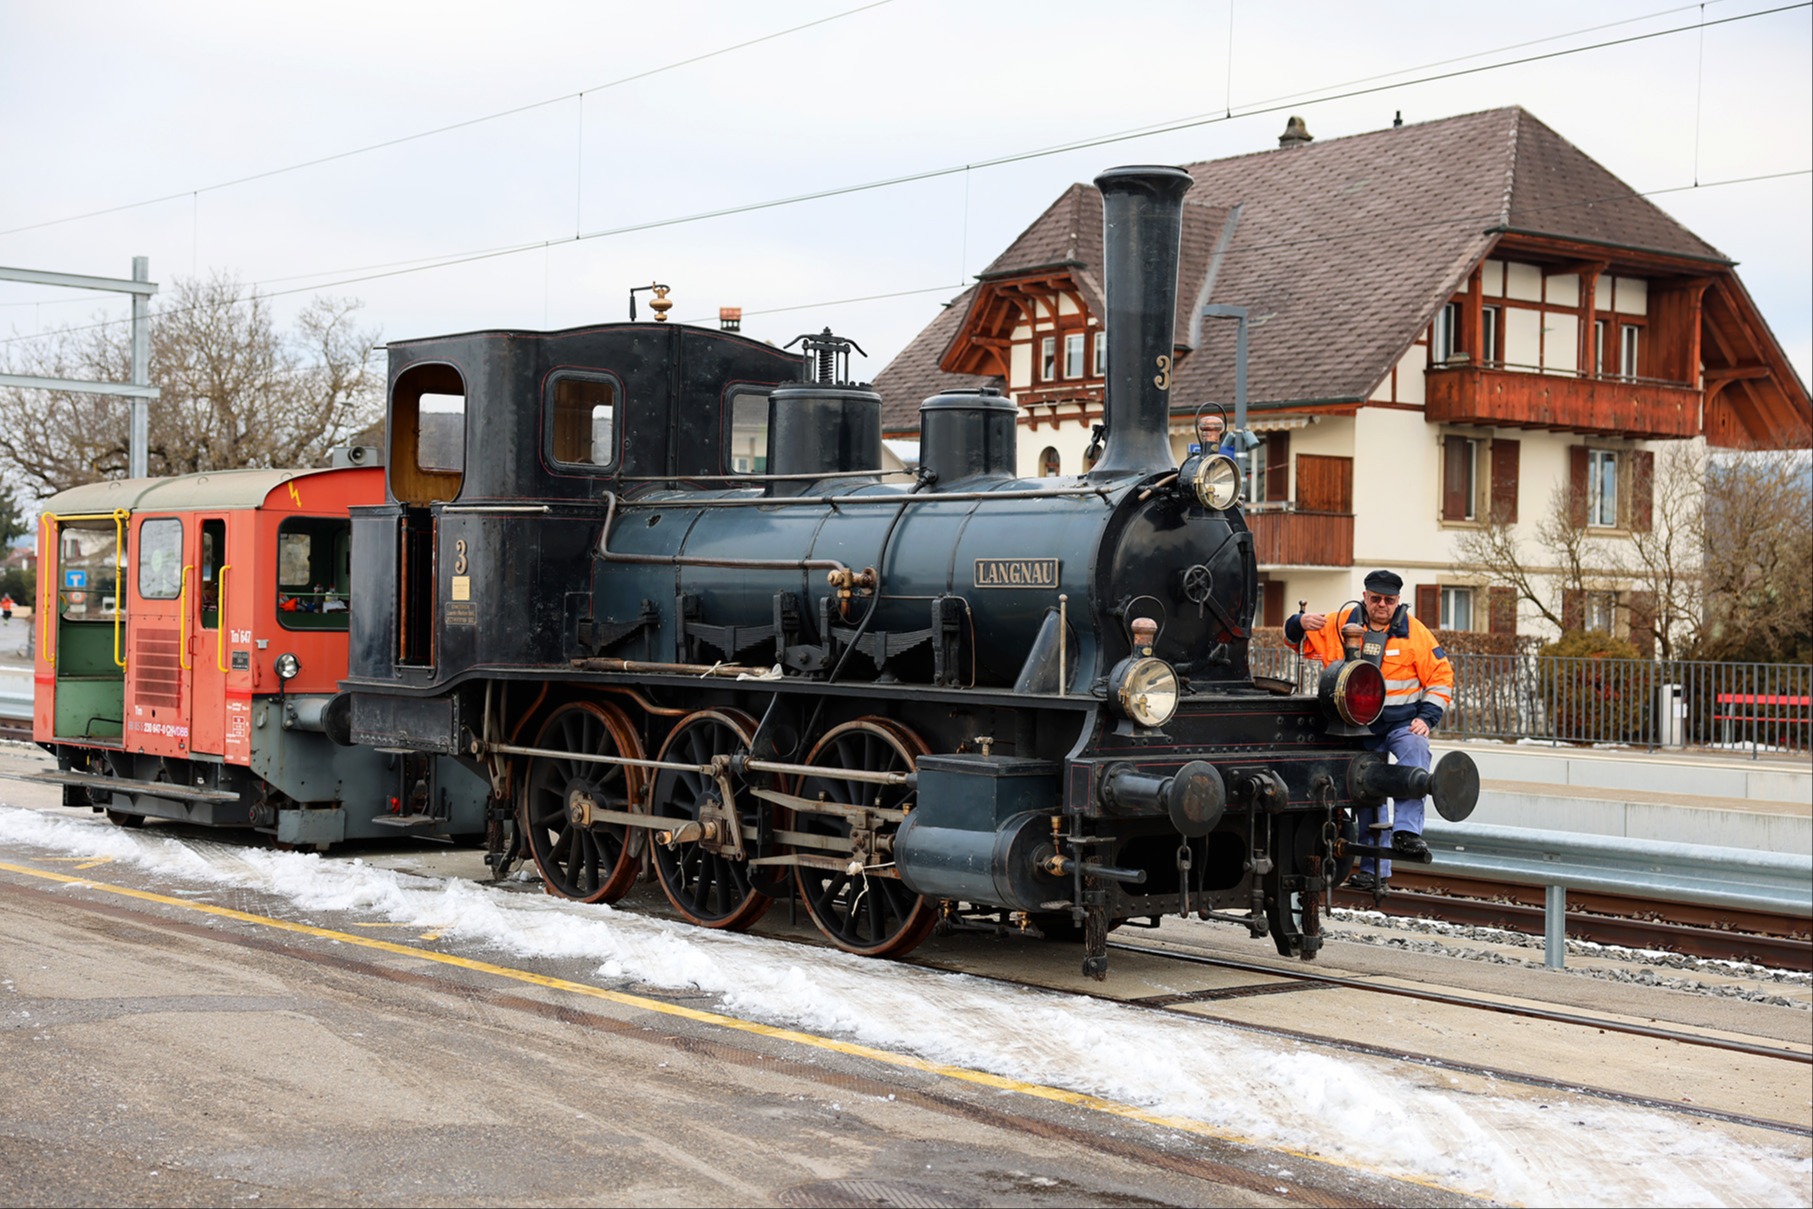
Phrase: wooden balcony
x=1302 y=539
x=1472 y=394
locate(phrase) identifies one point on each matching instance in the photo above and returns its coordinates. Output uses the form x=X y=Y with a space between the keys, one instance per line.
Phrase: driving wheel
x=868 y=912
x=580 y=855
x=706 y=871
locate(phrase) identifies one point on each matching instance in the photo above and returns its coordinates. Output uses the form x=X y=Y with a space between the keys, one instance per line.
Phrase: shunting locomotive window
x=88 y=560
x=746 y=446
x=160 y=559
x=314 y=572
x=582 y=419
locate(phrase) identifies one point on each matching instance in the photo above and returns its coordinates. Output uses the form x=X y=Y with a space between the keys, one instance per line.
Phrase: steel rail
x=1510 y=1009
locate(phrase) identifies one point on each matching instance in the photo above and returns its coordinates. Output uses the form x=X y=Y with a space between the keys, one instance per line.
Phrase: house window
x=1101 y=354
x=1048 y=359
x=1460 y=478
x=1457 y=609
x=1073 y=355
x=1443 y=332
x=1598 y=611
x=1628 y=336
x=1049 y=464
x=1488 y=334
x=1602 y=488
x=1598 y=347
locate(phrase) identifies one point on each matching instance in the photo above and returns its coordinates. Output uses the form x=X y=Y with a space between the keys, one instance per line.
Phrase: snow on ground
x=1400 y=1121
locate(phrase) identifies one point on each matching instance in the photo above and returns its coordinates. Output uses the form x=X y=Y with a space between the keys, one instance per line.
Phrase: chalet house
x=1447 y=322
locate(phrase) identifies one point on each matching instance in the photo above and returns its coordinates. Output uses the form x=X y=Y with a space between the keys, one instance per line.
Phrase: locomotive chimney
x=1142 y=221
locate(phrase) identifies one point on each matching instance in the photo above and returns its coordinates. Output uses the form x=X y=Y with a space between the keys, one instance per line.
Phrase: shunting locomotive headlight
x=1354 y=691
x=288 y=666
x=1145 y=689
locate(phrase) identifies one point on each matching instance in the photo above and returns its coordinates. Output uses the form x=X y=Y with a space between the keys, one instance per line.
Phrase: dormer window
x=1048 y=359
x=1073 y=355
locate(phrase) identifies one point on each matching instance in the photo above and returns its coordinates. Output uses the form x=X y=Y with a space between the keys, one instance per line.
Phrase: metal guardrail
x=1740 y=879
x=1755 y=708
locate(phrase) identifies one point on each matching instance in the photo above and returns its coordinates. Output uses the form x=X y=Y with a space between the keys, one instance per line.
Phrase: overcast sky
x=104 y=105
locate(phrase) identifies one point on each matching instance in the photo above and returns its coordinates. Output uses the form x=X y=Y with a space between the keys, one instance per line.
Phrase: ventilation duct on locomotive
x=1142 y=223
x=967 y=434
x=815 y=431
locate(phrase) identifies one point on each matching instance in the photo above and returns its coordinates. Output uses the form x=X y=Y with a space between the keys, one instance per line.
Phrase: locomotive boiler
x=652 y=580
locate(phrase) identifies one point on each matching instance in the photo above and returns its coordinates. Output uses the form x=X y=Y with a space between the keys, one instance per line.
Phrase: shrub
x=1596 y=688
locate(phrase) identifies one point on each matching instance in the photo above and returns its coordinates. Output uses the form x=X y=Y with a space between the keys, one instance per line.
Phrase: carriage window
x=314 y=572
x=583 y=420
x=746 y=451
x=88 y=567
x=160 y=559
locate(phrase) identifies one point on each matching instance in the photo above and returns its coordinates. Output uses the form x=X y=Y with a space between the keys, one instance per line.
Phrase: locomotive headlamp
x=1215 y=482
x=288 y=666
x=1145 y=690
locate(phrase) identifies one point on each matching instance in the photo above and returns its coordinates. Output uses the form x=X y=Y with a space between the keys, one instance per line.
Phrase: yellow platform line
x=886 y=1057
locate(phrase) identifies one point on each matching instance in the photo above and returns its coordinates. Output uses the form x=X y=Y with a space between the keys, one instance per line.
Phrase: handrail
x=119 y=517
x=182 y=620
x=220 y=618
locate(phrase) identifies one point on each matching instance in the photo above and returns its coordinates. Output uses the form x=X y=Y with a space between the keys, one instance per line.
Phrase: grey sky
x=108 y=104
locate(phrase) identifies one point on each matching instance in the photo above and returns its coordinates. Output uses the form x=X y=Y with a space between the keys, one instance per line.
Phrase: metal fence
x=1755 y=708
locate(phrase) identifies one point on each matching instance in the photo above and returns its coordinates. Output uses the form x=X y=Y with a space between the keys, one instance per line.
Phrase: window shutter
x=1278 y=467
x=1642 y=623
x=1576 y=499
x=1505 y=456
x=1454 y=479
x=1573 y=609
x=1274 y=602
x=1642 y=491
x=1502 y=611
x=1429 y=605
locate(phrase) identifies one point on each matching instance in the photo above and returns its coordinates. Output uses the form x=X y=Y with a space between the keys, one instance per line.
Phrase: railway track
x=1778 y=941
x=15 y=729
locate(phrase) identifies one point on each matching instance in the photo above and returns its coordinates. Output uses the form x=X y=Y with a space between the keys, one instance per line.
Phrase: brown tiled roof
x=1342 y=250
x=913 y=376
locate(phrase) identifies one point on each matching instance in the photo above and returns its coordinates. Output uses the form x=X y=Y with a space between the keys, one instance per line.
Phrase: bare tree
x=1758 y=550
x=1665 y=561
x=236 y=392
x=1564 y=557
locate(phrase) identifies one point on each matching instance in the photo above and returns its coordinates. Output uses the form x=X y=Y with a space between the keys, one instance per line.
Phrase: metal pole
x=141 y=370
x=1554 y=925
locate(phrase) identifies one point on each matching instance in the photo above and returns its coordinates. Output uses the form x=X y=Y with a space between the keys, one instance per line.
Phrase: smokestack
x=1142 y=223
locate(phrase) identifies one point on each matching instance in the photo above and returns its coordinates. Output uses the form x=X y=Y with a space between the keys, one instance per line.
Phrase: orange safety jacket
x=1419 y=680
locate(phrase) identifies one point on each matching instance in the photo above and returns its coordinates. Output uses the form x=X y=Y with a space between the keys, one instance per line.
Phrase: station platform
x=1693 y=796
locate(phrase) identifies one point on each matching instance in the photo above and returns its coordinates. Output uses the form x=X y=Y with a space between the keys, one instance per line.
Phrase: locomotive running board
x=160 y=789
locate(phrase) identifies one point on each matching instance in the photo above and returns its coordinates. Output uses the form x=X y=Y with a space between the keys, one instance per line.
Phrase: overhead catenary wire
x=461 y=258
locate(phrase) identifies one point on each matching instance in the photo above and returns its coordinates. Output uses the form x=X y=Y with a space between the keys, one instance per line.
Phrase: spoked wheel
x=581 y=857
x=706 y=884
x=866 y=914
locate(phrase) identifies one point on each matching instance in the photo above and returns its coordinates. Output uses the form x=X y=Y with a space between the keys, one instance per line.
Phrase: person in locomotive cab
x=1419 y=686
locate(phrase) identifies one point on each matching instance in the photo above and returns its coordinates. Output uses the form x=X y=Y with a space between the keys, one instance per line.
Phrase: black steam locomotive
x=651 y=580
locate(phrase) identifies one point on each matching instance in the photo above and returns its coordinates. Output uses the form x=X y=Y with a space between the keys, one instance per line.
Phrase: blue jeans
x=1409 y=748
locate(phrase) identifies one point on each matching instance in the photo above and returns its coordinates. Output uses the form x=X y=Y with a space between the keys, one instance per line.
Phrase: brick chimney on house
x=1295 y=134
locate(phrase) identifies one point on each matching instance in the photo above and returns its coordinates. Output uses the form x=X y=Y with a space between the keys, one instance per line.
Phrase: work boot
x=1410 y=846
x=1365 y=883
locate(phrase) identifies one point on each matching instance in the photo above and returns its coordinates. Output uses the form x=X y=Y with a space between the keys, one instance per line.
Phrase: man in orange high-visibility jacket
x=1419 y=686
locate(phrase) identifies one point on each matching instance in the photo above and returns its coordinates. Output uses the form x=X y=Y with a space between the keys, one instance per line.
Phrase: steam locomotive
x=650 y=580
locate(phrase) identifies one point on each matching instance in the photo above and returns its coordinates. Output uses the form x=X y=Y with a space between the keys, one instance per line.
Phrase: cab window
x=314 y=573
x=582 y=421
x=160 y=559
x=746 y=444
